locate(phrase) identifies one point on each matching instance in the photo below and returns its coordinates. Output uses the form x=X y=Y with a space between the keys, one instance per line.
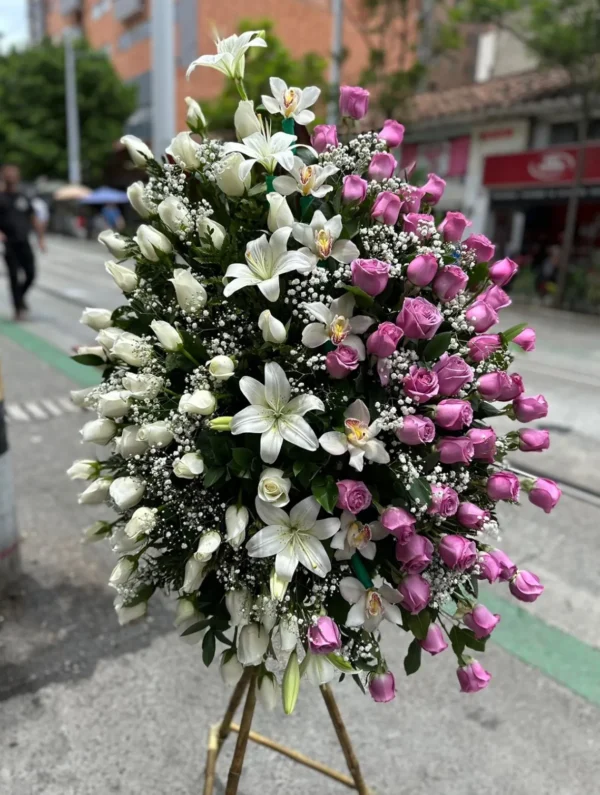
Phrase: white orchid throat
x=336 y=325
x=291 y=102
x=320 y=239
x=358 y=438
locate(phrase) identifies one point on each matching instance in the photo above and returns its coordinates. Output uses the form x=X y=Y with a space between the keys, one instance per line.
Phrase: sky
x=13 y=23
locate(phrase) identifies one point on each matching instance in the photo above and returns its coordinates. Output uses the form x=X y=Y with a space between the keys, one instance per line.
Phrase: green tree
x=32 y=110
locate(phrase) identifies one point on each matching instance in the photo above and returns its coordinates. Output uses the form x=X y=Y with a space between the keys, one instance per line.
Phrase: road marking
x=15 y=412
x=52 y=407
x=30 y=410
x=37 y=412
x=68 y=405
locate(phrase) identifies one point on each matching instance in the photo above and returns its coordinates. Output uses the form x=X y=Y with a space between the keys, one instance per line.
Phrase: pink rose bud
x=354 y=189
x=384 y=340
x=419 y=223
x=453 y=373
x=416 y=430
x=503 y=486
x=382 y=166
x=483 y=346
x=481 y=621
x=371 y=275
x=444 y=501
x=458 y=552
x=386 y=208
x=433 y=189
x=382 y=687
x=527 y=409
x=472 y=516
x=512 y=388
x=412 y=198
x=473 y=677
x=501 y=272
x=324 y=636
x=420 y=385
x=384 y=369
x=415 y=554
x=434 y=642
x=324 y=135
x=484 y=442
x=481 y=316
x=532 y=441
x=495 y=297
x=453 y=227
x=488 y=568
x=392 y=133
x=545 y=494
x=450 y=282
x=419 y=319
x=342 y=361
x=422 y=269
x=525 y=586
x=399 y=522
x=492 y=385
x=415 y=592
x=353 y=496
x=505 y=564
x=484 y=249
x=526 y=339
x=453 y=414
x=354 y=102
x=456 y=450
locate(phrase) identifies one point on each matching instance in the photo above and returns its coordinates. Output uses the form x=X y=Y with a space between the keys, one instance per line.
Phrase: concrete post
x=10 y=562
x=337 y=45
x=163 y=75
x=72 y=112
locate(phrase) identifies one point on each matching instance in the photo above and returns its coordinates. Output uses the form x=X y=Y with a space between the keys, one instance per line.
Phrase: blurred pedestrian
x=113 y=217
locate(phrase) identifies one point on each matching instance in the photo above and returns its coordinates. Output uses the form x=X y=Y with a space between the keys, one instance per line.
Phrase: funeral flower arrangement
x=295 y=400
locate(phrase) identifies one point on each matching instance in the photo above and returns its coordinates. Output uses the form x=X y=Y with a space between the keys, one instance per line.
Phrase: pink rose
x=456 y=450
x=450 y=282
x=382 y=687
x=354 y=189
x=531 y=441
x=433 y=189
x=458 y=552
x=324 y=135
x=472 y=516
x=386 y=208
x=415 y=592
x=545 y=494
x=473 y=677
x=422 y=269
x=495 y=297
x=506 y=566
x=416 y=430
x=412 y=198
x=324 y=636
x=488 y=568
x=383 y=341
x=526 y=339
x=503 y=486
x=420 y=385
x=419 y=319
x=399 y=522
x=481 y=316
x=453 y=373
x=353 y=496
x=453 y=414
x=501 y=272
x=419 y=223
x=342 y=361
x=415 y=554
x=434 y=642
x=354 y=102
x=371 y=275
x=484 y=249
x=527 y=409
x=382 y=166
x=511 y=388
x=484 y=442
x=492 y=385
x=392 y=133
x=384 y=369
x=483 y=346
x=453 y=227
x=526 y=586
x=444 y=501
x=481 y=621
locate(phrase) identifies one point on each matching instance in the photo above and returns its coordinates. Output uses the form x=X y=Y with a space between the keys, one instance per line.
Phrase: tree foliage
x=32 y=110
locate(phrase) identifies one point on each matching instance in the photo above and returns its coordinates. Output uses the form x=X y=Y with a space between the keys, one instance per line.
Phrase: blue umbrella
x=105 y=195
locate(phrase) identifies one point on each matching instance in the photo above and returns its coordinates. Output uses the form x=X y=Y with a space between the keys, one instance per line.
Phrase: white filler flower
x=320 y=239
x=306 y=180
x=370 y=607
x=336 y=325
x=291 y=102
x=230 y=57
x=358 y=438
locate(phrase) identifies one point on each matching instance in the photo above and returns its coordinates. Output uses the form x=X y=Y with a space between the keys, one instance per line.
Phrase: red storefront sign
x=555 y=166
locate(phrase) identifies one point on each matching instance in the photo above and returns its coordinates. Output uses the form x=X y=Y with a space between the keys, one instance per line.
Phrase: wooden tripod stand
x=220 y=731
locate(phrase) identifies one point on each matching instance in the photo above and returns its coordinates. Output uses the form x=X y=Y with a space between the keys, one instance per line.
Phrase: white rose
x=186 y=615
x=279 y=212
x=268 y=692
x=184 y=150
x=122 y=572
x=92 y=350
x=212 y=229
x=253 y=642
x=96 y=492
x=80 y=397
x=201 y=401
x=245 y=119
x=189 y=466
x=193 y=576
x=268 y=614
x=128 y=444
x=125 y=278
x=141 y=386
x=83 y=469
x=167 y=335
x=135 y=194
x=274 y=488
x=99 y=431
x=194 y=117
x=115 y=243
x=288 y=633
x=126 y=613
x=152 y=243
x=272 y=329
x=231 y=670
x=95 y=532
x=191 y=295
x=221 y=367
x=236 y=522
x=127 y=492
x=108 y=336
x=122 y=544
x=238 y=603
x=228 y=177
x=138 y=151
x=157 y=434
x=207 y=546
x=96 y=318
x=114 y=403
x=132 y=350
x=174 y=214
x=141 y=522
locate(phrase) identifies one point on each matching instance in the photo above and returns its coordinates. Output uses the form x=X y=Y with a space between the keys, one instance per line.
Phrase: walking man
x=17 y=219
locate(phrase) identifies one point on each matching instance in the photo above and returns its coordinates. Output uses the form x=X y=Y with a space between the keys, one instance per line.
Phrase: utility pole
x=72 y=112
x=163 y=74
x=337 y=45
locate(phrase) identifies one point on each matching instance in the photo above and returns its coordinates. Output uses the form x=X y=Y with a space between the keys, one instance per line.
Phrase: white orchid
x=267 y=260
x=370 y=606
x=320 y=239
x=274 y=415
x=291 y=102
x=306 y=180
x=266 y=149
x=336 y=325
x=358 y=438
x=354 y=536
x=293 y=539
x=230 y=58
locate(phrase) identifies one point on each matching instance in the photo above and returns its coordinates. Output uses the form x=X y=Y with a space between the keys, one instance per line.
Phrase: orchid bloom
x=336 y=325
x=230 y=58
x=320 y=239
x=354 y=536
x=370 y=606
x=266 y=261
x=293 y=539
x=274 y=415
x=358 y=438
x=292 y=102
x=306 y=180
x=266 y=149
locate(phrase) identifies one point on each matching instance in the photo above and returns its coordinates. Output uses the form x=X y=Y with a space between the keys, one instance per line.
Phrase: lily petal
x=271 y=515
x=253 y=419
x=311 y=554
x=253 y=391
x=268 y=541
x=296 y=430
x=277 y=386
x=270 y=445
x=303 y=403
x=325 y=528
x=304 y=514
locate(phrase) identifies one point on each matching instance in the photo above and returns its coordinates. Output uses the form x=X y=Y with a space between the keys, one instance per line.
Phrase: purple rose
x=506 y=566
x=433 y=189
x=422 y=269
x=453 y=373
x=419 y=319
x=526 y=586
x=495 y=297
x=527 y=409
x=386 y=208
x=412 y=198
x=324 y=636
x=416 y=430
x=532 y=441
x=484 y=443
x=484 y=249
x=512 y=388
x=434 y=642
x=545 y=494
x=415 y=554
x=382 y=687
x=342 y=361
x=458 y=552
x=399 y=522
x=492 y=385
x=421 y=384
x=453 y=227
x=392 y=133
x=324 y=135
x=415 y=592
x=371 y=275
x=444 y=501
x=503 y=486
x=382 y=166
x=456 y=450
x=481 y=621
x=501 y=272
x=472 y=516
x=354 y=189
x=418 y=223
x=488 y=568
x=473 y=677
x=453 y=414
x=383 y=341
x=481 y=316
x=526 y=339
x=450 y=282
x=483 y=346
x=353 y=496
x=354 y=102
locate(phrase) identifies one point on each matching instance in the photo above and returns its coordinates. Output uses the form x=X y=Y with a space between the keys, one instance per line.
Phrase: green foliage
x=412 y=661
x=32 y=110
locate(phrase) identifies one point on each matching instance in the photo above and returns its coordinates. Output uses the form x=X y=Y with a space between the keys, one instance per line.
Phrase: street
x=89 y=707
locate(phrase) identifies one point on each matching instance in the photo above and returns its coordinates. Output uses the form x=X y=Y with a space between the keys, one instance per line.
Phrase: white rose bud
x=115 y=243
x=318 y=670
x=157 y=434
x=193 y=576
x=126 y=614
x=174 y=214
x=288 y=633
x=207 y=546
x=95 y=532
x=238 y=603
x=125 y=278
x=200 y=401
x=121 y=544
x=135 y=194
x=191 y=295
x=141 y=522
x=221 y=367
x=253 y=642
x=83 y=469
x=245 y=119
x=96 y=492
x=268 y=692
x=272 y=329
x=96 y=318
x=128 y=444
x=80 y=397
x=277 y=586
x=184 y=150
x=273 y=487
x=279 y=212
x=108 y=336
x=99 y=431
x=92 y=350
x=138 y=151
x=212 y=229
x=230 y=669
x=152 y=243
x=168 y=336
x=132 y=350
x=236 y=522
x=228 y=177
x=194 y=117
x=141 y=386
x=122 y=572
x=189 y=466
x=186 y=615
x=113 y=404
x=268 y=616
x=127 y=492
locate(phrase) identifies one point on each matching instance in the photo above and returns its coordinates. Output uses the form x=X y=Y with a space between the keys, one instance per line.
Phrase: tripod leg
x=344 y=739
x=234 y=702
x=235 y=771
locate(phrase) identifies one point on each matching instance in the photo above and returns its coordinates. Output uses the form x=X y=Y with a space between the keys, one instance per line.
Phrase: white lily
x=230 y=58
x=291 y=102
x=336 y=325
x=306 y=180
x=266 y=261
x=318 y=670
x=354 y=536
x=370 y=607
x=274 y=415
x=295 y=538
x=358 y=438
x=320 y=239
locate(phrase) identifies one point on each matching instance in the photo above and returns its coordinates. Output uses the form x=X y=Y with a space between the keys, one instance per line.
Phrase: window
x=444 y=158
x=566 y=132
x=101 y=8
x=134 y=35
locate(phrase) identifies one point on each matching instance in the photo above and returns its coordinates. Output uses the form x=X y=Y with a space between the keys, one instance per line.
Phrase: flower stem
x=239 y=84
x=360 y=571
x=190 y=357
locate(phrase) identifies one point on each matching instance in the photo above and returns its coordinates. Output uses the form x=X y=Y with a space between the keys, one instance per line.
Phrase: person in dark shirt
x=17 y=219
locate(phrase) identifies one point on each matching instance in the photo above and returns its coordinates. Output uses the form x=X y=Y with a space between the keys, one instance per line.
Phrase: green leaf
x=437 y=346
x=419 y=624
x=477 y=644
x=338 y=662
x=477 y=275
x=89 y=359
x=457 y=641
x=223 y=638
x=197 y=627
x=213 y=475
x=356 y=678
x=325 y=491
x=420 y=489
x=363 y=300
x=209 y=647
x=242 y=456
x=298 y=466
x=485 y=409
x=412 y=661
x=512 y=332
x=221 y=449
